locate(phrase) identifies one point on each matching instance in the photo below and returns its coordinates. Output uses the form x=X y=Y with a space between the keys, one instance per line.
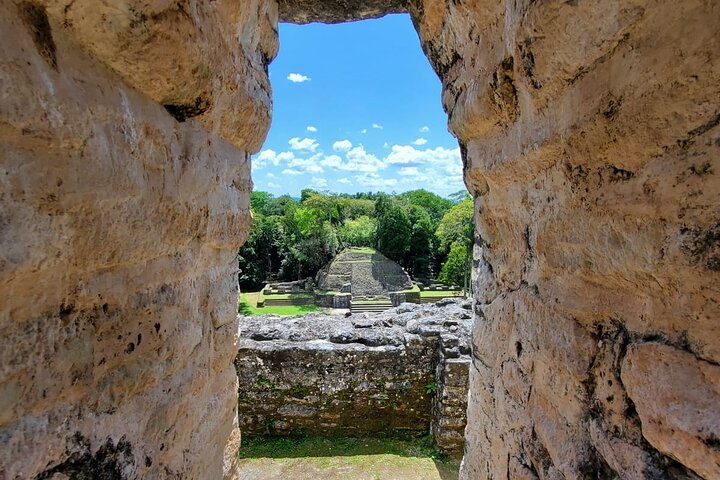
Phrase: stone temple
x=363 y=272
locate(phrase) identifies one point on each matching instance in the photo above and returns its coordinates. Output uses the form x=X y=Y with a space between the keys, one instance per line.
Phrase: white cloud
x=361 y=161
x=375 y=181
x=377 y=126
x=290 y=171
x=405 y=154
x=425 y=129
x=409 y=172
x=386 y=145
x=363 y=131
x=318 y=183
x=343 y=181
x=269 y=156
x=342 y=145
x=307 y=165
x=273 y=185
x=306 y=144
x=332 y=161
x=312 y=129
x=420 y=141
x=298 y=78
x=270 y=175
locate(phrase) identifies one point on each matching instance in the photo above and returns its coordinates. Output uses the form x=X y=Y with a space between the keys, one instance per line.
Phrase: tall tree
x=394 y=228
x=456 y=235
x=419 y=256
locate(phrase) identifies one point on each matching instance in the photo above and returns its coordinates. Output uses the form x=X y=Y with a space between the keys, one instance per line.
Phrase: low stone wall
x=398 y=298
x=402 y=371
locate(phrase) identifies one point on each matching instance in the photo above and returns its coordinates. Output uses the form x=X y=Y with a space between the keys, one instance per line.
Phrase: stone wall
x=591 y=141
x=404 y=371
x=589 y=133
x=119 y=226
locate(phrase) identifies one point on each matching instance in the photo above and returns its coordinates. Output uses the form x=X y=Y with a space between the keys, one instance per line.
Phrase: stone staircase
x=375 y=307
x=287 y=302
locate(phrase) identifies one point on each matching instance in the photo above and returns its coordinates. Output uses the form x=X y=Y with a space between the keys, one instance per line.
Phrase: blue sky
x=356 y=108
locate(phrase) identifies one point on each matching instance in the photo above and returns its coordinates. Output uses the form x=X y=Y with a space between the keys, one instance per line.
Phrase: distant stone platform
x=365 y=272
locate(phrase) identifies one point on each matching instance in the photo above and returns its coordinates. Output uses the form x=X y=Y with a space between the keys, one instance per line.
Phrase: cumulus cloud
x=270 y=157
x=377 y=126
x=409 y=172
x=311 y=128
x=344 y=181
x=306 y=144
x=407 y=154
x=318 y=183
x=375 y=181
x=270 y=175
x=333 y=161
x=290 y=171
x=298 y=78
x=363 y=131
x=307 y=165
x=273 y=185
x=420 y=141
x=358 y=160
x=425 y=129
x=342 y=145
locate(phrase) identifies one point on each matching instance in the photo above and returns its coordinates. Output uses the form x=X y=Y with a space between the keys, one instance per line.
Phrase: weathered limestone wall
x=402 y=371
x=118 y=232
x=591 y=141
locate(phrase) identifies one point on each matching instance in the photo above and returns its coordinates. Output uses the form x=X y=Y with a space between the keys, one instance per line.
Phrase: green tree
x=259 y=257
x=434 y=205
x=454 y=270
x=419 y=256
x=259 y=202
x=456 y=235
x=394 y=228
x=457 y=225
x=358 y=233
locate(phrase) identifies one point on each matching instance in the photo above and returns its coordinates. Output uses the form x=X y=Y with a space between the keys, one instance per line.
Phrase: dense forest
x=430 y=236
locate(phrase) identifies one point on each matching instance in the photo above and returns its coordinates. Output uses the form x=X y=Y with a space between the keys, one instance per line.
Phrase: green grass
x=362 y=250
x=294 y=447
x=247 y=305
x=435 y=294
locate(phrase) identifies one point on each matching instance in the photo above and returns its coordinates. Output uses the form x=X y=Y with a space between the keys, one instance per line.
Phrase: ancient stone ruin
x=590 y=135
x=404 y=371
x=363 y=273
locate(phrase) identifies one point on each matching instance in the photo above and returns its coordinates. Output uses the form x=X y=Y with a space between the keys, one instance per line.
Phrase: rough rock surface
x=335 y=11
x=590 y=134
x=403 y=370
x=119 y=227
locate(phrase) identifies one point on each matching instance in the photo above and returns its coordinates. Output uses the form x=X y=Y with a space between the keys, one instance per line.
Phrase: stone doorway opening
x=357 y=376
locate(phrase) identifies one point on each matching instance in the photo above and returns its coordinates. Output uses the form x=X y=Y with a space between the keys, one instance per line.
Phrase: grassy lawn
x=432 y=294
x=248 y=306
x=343 y=458
x=362 y=250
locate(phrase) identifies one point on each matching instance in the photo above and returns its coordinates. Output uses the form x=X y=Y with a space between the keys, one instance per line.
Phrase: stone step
x=374 y=307
x=283 y=302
